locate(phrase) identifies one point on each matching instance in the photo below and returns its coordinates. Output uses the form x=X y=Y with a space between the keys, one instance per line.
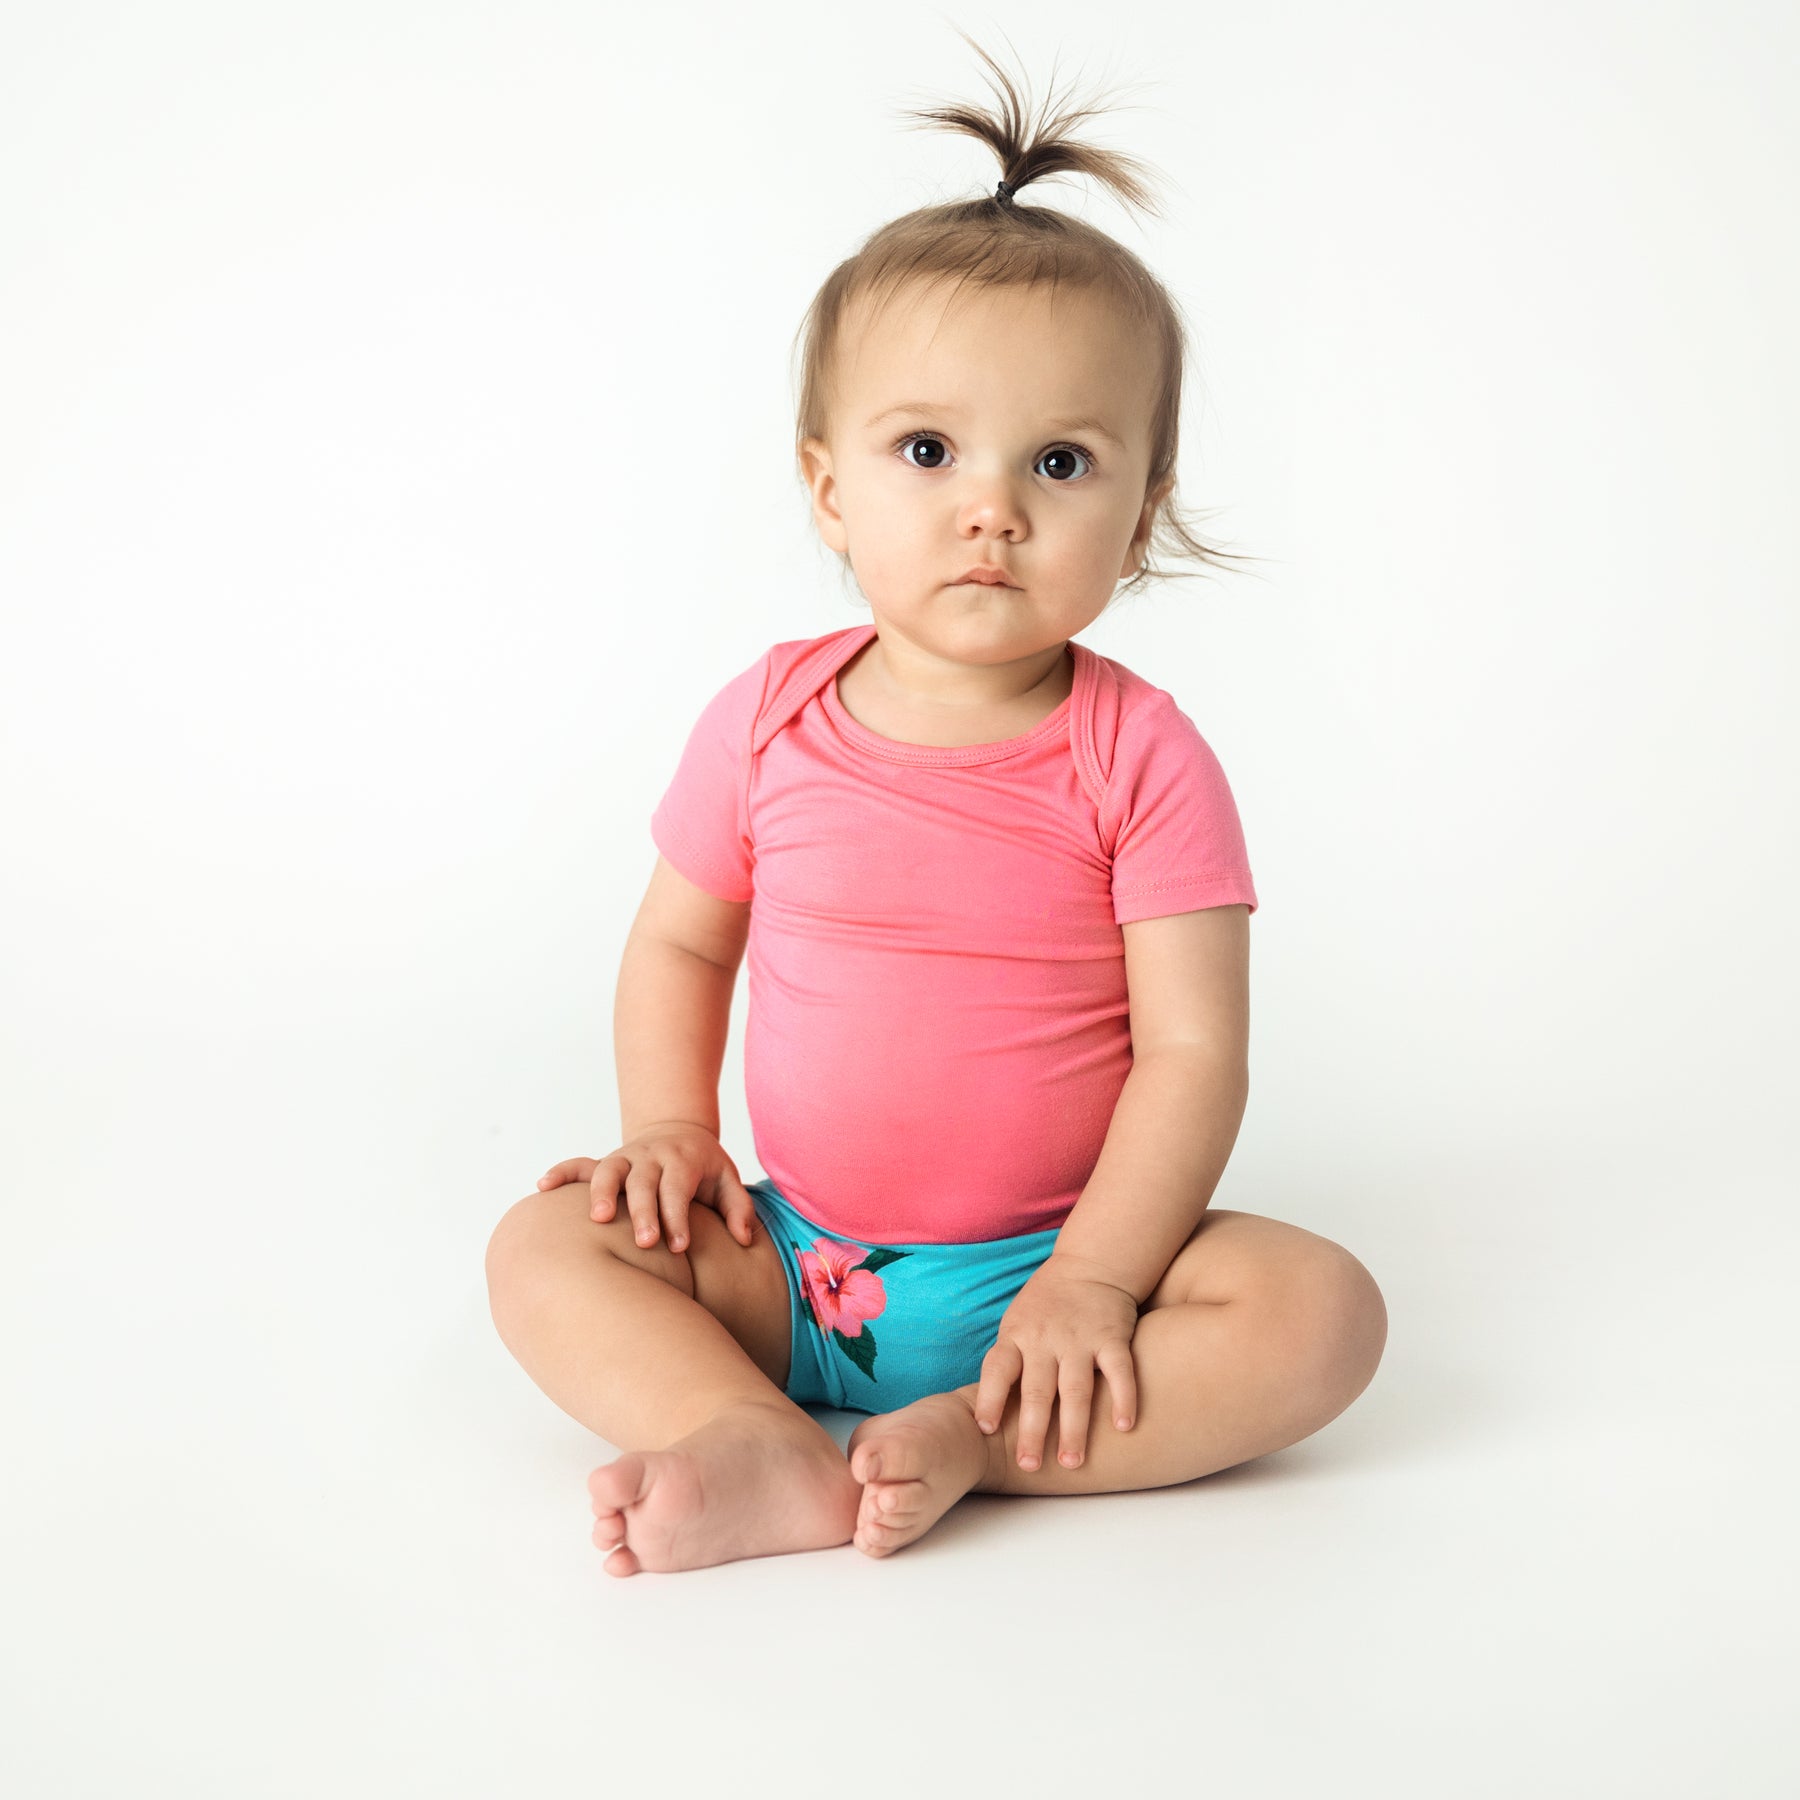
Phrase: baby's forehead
x=1069 y=353
x=969 y=317
x=1064 y=321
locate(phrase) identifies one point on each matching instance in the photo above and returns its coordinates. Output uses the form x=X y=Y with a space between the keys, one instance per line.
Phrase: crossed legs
x=1258 y=1334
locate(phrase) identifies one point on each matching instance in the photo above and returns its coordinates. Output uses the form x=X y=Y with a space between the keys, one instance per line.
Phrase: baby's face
x=1030 y=452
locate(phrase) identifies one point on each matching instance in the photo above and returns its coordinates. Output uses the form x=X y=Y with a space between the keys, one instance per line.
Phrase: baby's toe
x=893 y=1521
x=616 y=1485
x=876 y=1540
x=894 y=1456
x=893 y=1506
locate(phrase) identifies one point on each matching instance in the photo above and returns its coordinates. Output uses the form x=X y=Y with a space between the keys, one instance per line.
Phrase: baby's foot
x=914 y=1464
x=751 y=1481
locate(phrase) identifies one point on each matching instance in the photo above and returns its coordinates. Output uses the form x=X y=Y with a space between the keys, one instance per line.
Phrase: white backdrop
x=394 y=455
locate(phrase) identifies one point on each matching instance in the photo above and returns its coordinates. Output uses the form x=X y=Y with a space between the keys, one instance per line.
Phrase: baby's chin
x=968 y=623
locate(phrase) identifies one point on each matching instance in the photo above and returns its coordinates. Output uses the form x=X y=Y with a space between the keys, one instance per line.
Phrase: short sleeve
x=702 y=822
x=1178 y=843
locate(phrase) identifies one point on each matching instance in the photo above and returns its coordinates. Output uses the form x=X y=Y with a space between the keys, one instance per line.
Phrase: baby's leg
x=1258 y=1334
x=639 y=1346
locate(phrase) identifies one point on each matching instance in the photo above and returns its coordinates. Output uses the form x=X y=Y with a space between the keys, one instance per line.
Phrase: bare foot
x=751 y=1481
x=914 y=1464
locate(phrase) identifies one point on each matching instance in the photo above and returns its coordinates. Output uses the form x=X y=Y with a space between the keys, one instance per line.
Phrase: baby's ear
x=1140 y=538
x=814 y=457
x=1152 y=500
x=815 y=468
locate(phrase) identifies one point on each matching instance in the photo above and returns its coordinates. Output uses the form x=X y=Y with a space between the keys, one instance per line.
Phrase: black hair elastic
x=1003 y=192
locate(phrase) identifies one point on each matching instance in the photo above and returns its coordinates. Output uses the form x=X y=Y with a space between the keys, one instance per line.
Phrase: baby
x=995 y=898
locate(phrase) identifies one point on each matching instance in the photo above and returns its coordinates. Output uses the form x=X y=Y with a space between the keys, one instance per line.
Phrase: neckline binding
x=956 y=755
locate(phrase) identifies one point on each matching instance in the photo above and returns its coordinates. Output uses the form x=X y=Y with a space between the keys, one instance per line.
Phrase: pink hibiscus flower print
x=844 y=1291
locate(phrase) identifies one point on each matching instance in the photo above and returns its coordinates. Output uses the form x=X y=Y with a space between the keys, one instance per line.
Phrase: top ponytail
x=1029 y=153
x=993 y=242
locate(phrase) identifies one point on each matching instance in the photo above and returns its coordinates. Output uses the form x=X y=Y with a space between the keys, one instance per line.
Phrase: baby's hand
x=664 y=1170
x=1062 y=1322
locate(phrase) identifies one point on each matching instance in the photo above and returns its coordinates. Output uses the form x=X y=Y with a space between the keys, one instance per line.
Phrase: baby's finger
x=1077 y=1402
x=603 y=1187
x=999 y=1370
x=640 y=1199
x=577 y=1168
x=676 y=1193
x=1037 y=1394
x=738 y=1208
x=1121 y=1382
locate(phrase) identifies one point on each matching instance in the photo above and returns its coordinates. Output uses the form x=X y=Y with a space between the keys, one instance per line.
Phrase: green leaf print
x=880 y=1258
x=860 y=1349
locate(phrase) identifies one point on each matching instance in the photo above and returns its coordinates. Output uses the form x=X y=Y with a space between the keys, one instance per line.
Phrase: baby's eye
x=1065 y=451
x=919 y=438
x=1060 y=451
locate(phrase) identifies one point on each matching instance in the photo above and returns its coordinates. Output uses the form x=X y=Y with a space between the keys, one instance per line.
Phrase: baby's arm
x=1177 y=1118
x=1172 y=1129
x=671 y=1019
x=672 y=1006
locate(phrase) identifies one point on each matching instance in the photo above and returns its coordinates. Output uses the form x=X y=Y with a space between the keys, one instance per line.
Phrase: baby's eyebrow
x=1093 y=426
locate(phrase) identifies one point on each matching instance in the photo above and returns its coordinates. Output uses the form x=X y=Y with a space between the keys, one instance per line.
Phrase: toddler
x=994 y=897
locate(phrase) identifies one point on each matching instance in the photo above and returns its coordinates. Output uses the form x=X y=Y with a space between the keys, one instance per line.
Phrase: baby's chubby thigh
x=741 y=1285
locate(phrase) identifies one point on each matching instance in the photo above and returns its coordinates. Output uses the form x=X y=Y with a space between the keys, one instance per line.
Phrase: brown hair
x=993 y=243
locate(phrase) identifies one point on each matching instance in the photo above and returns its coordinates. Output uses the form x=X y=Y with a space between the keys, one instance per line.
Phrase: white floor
x=287 y=1520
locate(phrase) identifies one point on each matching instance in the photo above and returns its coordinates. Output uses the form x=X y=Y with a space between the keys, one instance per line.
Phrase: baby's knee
x=1350 y=1317
x=543 y=1234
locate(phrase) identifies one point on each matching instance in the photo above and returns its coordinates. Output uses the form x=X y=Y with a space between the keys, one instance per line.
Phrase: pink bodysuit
x=938 y=1023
